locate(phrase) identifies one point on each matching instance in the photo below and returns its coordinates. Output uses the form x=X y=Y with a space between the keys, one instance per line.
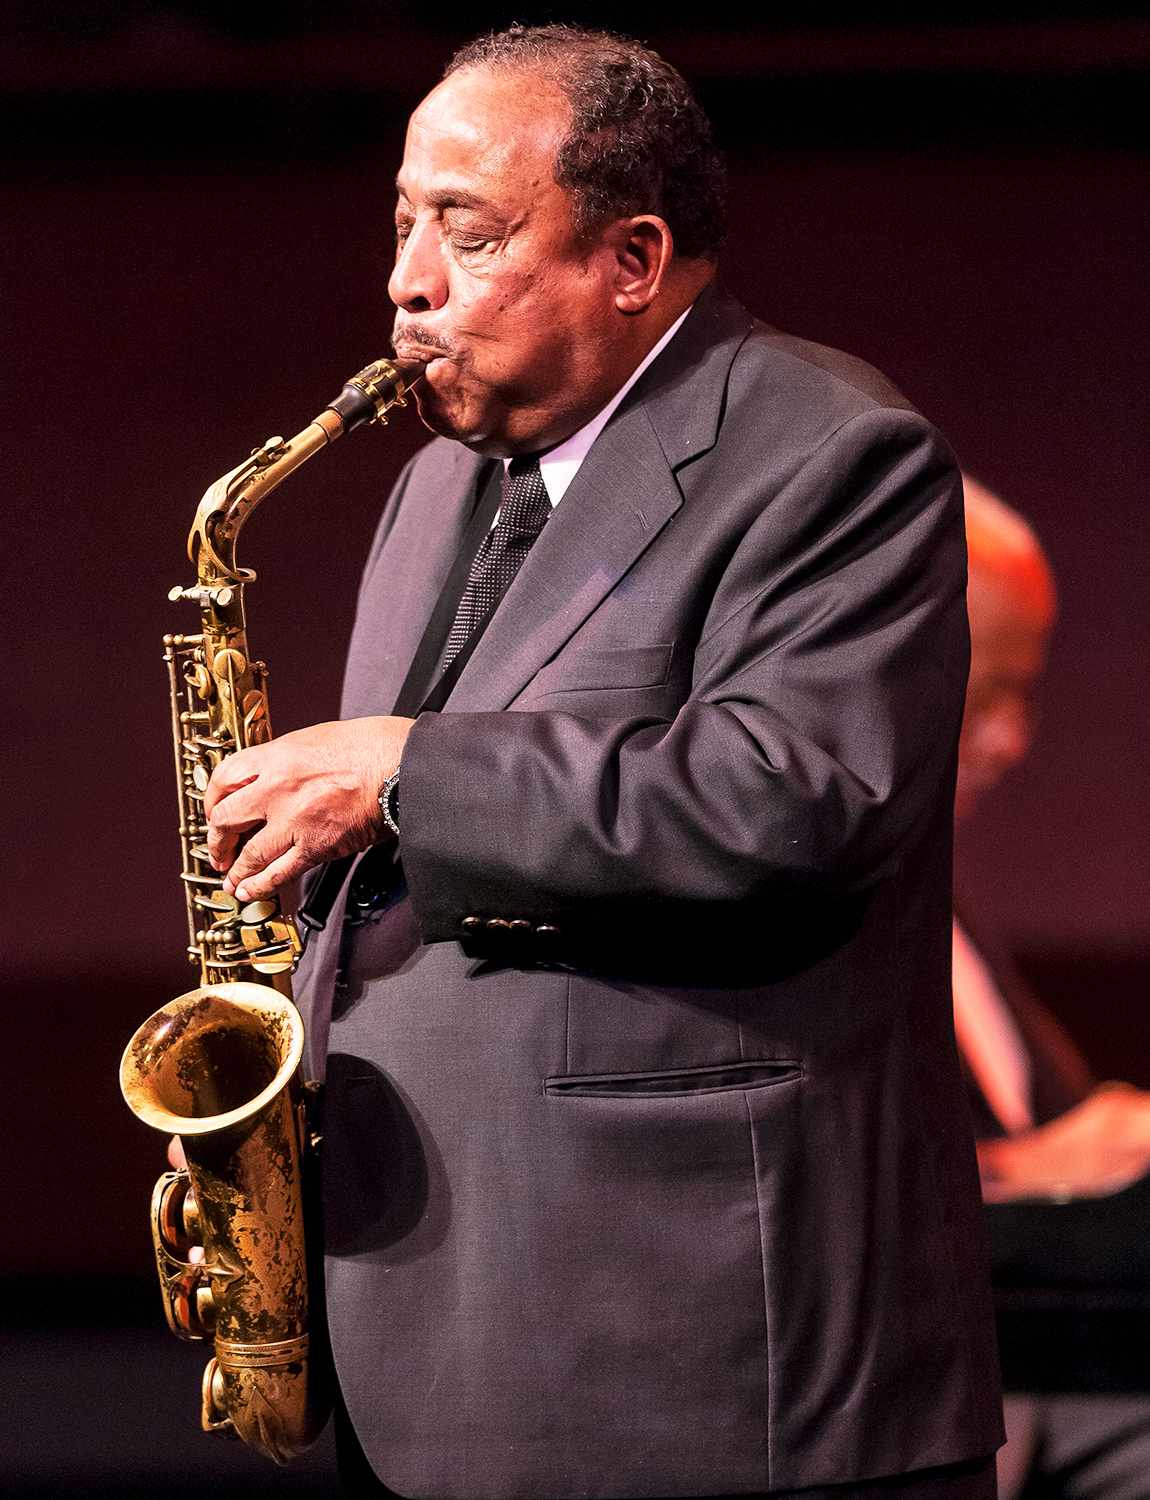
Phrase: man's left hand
x=307 y=797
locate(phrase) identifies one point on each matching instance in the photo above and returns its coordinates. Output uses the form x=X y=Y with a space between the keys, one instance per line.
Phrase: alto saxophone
x=219 y=1067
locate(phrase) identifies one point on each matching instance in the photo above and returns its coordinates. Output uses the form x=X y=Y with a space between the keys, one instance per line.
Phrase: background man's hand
x=305 y=798
x=1098 y=1147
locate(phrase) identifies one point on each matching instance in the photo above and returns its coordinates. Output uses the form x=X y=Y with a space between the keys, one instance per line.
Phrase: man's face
x=490 y=277
x=1007 y=647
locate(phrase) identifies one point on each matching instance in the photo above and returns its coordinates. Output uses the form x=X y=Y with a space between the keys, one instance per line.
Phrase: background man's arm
x=1098 y=1147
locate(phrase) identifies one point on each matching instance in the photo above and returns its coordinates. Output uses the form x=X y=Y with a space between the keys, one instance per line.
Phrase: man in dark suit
x=646 y=1168
x=1051 y=1142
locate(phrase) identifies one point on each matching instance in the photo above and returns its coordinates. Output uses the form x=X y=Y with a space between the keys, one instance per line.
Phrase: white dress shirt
x=561 y=464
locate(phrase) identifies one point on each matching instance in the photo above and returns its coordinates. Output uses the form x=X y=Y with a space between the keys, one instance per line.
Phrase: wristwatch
x=389 y=801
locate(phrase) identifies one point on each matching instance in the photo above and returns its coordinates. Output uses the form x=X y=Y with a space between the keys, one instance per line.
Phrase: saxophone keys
x=229 y=663
x=221 y=595
x=254 y=707
x=268 y=452
x=208 y=903
x=214 y=1400
x=282 y=962
x=225 y=907
x=257 y=911
x=177 y=1215
x=199 y=679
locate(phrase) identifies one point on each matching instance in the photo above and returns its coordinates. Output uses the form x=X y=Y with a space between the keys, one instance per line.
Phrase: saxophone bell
x=218 y=1067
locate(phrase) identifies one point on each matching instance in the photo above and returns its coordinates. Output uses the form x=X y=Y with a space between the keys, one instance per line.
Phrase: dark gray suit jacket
x=648 y=1169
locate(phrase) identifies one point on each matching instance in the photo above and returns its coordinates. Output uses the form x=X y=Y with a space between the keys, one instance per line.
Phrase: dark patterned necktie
x=523 y=512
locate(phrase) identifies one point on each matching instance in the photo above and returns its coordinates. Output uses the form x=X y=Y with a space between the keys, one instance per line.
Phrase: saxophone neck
x=227 y=504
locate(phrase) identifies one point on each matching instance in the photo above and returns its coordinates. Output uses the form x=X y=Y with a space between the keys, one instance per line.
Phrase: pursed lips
x=415 y=349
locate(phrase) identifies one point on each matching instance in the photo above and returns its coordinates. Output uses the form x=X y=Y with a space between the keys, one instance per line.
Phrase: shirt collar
x=560 y=465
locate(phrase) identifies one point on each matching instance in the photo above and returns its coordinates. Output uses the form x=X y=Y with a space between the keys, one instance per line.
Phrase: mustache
x=414 y=332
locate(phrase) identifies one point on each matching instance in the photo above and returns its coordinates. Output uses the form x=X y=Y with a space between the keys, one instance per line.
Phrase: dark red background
x=194 y=264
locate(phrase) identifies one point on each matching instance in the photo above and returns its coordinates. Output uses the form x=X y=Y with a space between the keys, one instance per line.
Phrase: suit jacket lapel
x=616 y=504
x=401 y=589
x=623 y=495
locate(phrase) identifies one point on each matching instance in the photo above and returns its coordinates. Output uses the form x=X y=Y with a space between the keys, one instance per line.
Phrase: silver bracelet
x=389 y=801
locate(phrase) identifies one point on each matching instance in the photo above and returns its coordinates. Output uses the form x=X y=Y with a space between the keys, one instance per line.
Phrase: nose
x=417 y=282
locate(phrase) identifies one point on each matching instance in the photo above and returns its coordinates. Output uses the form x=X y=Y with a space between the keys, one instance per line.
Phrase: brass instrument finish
x=219 y=694
x=219 y=1066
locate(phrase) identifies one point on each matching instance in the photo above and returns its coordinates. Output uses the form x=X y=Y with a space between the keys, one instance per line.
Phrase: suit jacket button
x=520 y=925
x=546 y=930
x=469 y=924
x=497 y=924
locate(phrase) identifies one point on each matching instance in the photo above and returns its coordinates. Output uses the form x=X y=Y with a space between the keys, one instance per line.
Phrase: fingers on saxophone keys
x=278 y=872
x=254 y=858
x=229 y=820
x=232 y=773
x=224 y=842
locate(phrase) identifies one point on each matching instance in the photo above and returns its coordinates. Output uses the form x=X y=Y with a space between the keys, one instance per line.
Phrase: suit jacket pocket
x=668 y=1083
x=619 y=667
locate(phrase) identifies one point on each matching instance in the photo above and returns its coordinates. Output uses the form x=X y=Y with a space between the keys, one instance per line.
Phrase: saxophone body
x=234 y=1232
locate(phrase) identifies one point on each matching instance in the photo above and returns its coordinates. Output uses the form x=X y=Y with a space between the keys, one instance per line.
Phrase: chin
x=442 y=398
x=442 y=416
x=460 y=420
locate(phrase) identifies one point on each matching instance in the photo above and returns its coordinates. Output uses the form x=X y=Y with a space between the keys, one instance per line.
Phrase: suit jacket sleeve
x=816 y=733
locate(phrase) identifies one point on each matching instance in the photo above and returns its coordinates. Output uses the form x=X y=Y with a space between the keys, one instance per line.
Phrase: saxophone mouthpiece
x=381 y=385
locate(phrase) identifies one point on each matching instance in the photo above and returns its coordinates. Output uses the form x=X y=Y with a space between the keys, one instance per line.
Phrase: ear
x=643 y=251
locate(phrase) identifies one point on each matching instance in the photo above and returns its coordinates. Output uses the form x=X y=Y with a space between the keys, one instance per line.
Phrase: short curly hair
x=639 y=141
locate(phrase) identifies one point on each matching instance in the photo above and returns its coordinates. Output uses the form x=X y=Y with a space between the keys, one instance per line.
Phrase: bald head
x=1011 y=601
x=1003 y=547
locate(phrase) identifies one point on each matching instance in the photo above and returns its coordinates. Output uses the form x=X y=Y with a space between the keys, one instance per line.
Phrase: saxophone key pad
x=258 y=911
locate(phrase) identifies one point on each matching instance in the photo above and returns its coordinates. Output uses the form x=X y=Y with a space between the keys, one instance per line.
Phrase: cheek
x=504 y=292
x=518 y=336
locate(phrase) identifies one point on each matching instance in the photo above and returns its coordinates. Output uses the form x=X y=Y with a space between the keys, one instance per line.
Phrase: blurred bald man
x=1046 y=1131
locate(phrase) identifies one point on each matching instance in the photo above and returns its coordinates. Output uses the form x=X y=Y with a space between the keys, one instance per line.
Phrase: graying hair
x=639 y=141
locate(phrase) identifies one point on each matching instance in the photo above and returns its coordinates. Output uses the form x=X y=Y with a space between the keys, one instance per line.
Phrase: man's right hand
x=1099 y=1147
